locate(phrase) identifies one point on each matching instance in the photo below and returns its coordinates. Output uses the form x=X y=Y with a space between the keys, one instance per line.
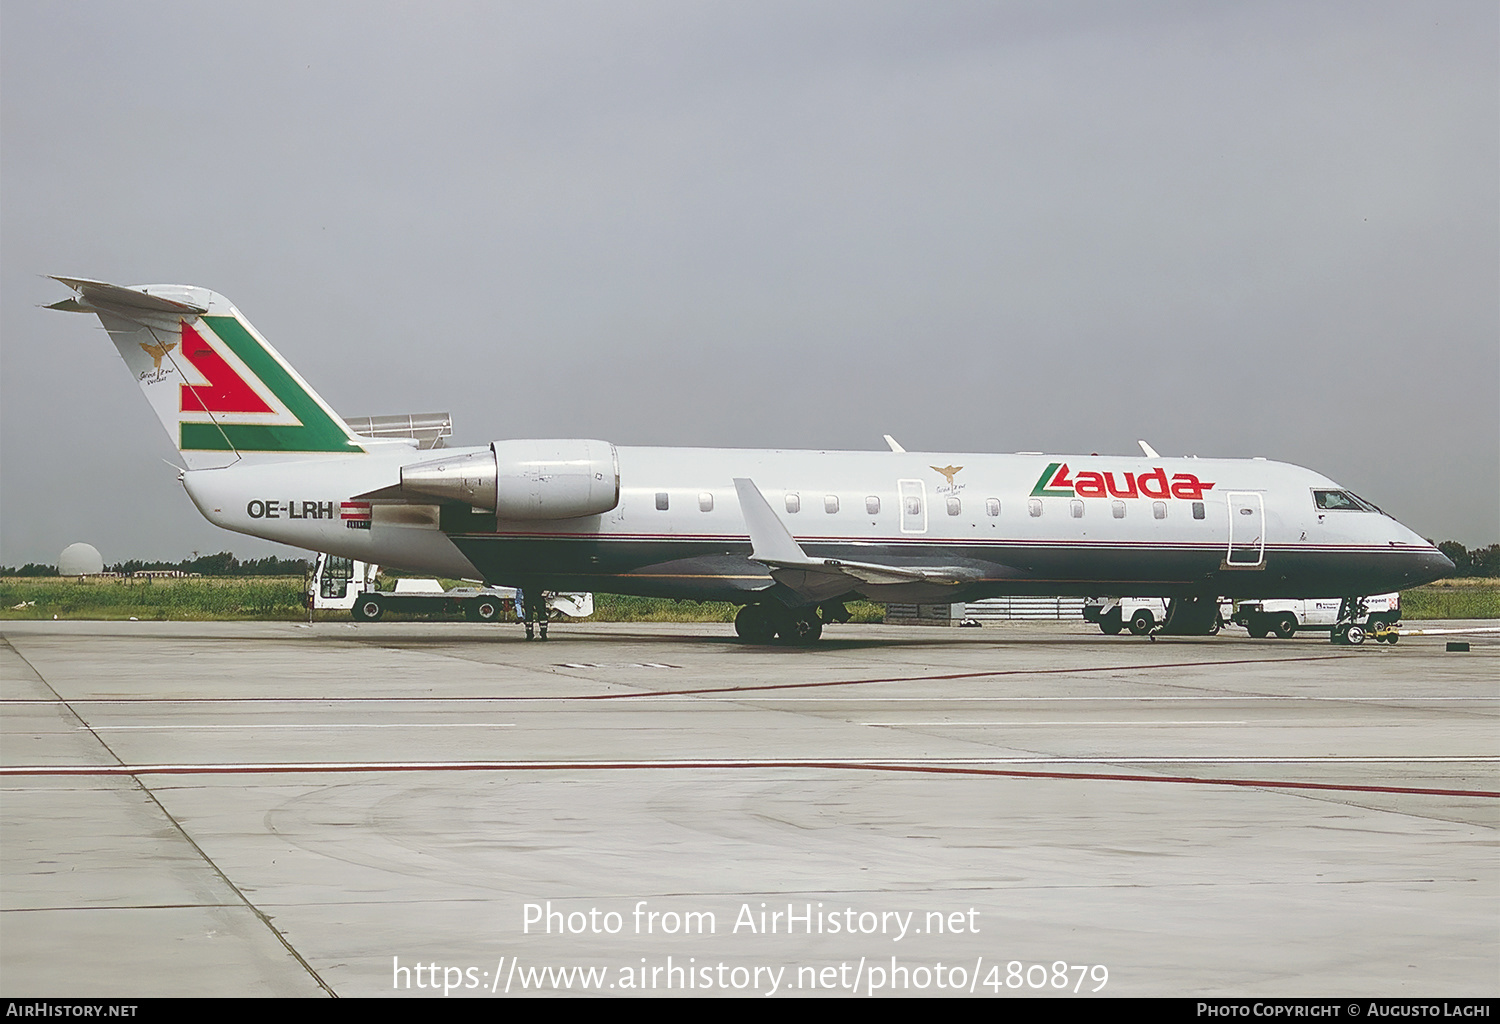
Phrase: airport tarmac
x=205 y=809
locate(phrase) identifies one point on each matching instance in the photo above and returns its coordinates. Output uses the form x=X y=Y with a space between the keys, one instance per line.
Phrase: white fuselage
x=1025 y=523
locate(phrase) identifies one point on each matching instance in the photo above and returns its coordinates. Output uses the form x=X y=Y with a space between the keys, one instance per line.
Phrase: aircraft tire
x=1286 y=627
x=1141 y=622
x=368 y=609
x=753 y=624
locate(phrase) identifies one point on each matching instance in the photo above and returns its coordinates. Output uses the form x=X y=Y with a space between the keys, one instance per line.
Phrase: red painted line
x=492 y=766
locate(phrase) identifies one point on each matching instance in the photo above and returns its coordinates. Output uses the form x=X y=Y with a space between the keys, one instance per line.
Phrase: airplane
x=788 y=535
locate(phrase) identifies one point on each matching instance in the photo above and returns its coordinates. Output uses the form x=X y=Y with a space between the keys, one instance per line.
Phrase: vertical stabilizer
x=220 y=390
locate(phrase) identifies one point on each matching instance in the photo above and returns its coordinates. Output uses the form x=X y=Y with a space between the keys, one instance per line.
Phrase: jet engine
x=526 y=479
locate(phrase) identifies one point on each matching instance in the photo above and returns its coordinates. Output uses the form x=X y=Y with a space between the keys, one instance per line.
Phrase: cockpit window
x=1342 y=501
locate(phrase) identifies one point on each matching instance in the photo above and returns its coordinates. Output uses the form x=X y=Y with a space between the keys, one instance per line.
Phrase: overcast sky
x=1231 y=229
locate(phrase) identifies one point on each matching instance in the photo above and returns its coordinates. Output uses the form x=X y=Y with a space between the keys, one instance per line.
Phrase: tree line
x=222 y=564
x=1479 y=562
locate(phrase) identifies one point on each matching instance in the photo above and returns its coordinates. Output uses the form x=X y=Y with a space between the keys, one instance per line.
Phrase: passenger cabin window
x=661 y=501
x=794 y=503
x=872 y=506
x=705 y=502
x=830 y=503
x=1075 y=508
x=955 y=506
x=1118 y=509
x=992 y=506
x=1159 y=509
x=1198 y=512
x=1034 y=507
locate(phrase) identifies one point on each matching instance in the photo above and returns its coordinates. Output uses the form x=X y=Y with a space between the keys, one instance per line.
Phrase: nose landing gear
x=1353 y=629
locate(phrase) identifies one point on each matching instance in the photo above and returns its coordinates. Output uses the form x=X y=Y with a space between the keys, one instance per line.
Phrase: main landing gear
x=799 y=627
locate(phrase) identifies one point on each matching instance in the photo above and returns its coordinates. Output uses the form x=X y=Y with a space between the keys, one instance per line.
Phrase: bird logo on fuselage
x=947 y=471
x=157 y=351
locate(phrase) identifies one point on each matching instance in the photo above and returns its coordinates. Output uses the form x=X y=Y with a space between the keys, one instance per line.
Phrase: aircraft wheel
x=1355 y=636
x=1110 y=625
x=801 y=628
x=368 y=609
x=1286 y=627
x=1141 y=622
x=754 y=624
x=485 y=610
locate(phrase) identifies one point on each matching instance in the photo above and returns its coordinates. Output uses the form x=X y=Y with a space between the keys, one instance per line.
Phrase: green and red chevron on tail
x=218 y=387
x=316 y=429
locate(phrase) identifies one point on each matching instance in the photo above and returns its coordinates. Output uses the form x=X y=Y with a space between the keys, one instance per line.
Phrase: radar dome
x=80 y=560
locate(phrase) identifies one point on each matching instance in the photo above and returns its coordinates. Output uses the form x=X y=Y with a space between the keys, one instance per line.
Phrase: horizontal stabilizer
x=96 y=295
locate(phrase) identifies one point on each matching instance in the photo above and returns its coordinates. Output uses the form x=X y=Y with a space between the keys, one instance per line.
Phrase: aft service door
x=1247 y=530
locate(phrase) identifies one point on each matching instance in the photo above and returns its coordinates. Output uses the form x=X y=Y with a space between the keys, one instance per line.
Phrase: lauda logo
x=1055 y=483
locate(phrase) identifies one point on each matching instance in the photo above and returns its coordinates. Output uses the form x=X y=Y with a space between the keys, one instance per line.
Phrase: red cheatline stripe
x=533 y=766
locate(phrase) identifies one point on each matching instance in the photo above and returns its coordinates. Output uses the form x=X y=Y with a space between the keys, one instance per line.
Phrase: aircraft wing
x=820 y=578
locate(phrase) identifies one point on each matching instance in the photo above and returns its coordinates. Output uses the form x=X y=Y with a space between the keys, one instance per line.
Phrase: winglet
x=770 y=540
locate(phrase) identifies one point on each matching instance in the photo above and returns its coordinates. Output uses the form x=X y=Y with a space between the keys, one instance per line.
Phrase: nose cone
x=1430 y=565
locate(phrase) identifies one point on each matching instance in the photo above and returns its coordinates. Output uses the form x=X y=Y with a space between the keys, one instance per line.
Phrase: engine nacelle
x=526 y=479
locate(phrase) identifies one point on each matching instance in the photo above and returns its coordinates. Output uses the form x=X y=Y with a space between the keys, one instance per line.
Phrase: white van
x=1285 y=618
x=1140 y=615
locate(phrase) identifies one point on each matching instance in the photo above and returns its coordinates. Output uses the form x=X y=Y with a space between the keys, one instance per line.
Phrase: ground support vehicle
x=1347 y=620
x=427 y=597
x=1150 y=616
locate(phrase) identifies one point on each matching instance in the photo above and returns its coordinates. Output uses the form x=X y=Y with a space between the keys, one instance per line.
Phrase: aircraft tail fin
x=219 y=388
